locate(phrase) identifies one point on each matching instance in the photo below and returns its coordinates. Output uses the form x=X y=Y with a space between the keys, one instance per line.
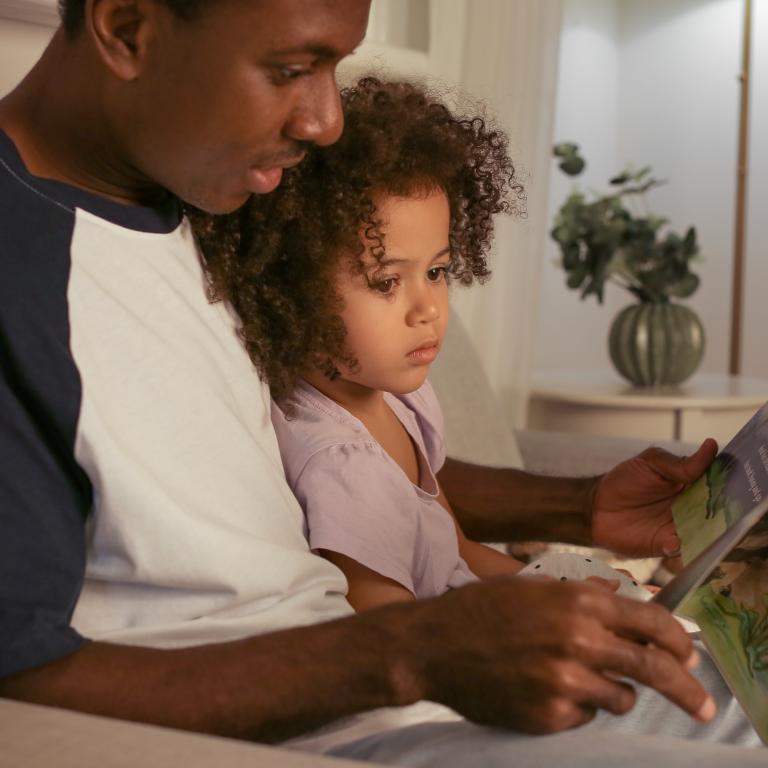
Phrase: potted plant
x=611 y=238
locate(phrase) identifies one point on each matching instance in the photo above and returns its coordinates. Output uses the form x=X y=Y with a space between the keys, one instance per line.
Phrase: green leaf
x=565 y=149
x=685 y=287
x=575 y=279
x=690 y=246
x=572 y=162
x=600 y=236
x=573 y=166
x=641 y=173
x=571 y=255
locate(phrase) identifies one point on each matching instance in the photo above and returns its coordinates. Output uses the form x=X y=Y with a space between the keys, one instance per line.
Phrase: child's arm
x=485 y=562
x=367 y=589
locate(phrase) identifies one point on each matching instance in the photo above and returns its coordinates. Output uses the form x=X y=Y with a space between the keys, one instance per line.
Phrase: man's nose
x=318 y=118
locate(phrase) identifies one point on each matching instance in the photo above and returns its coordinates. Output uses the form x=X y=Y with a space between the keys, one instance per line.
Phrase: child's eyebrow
x=389 y=262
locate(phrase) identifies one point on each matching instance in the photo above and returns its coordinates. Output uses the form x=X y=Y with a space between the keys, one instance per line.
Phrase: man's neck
x=55 y=119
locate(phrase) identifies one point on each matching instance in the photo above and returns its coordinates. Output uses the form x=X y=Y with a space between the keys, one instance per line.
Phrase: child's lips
x=426 y=353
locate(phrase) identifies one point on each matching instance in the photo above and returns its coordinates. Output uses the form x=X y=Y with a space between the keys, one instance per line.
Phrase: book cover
x=731 y=606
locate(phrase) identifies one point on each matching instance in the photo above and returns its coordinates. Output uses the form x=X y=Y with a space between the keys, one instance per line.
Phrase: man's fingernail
x=693 y=660
x=707 y=710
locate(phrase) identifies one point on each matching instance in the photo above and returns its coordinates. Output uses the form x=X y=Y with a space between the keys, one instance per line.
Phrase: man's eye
x=286 y=74
x=436 y=274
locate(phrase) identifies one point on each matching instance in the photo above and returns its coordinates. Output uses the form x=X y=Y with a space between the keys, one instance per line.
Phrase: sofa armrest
x=33 y=735
x=578 y=455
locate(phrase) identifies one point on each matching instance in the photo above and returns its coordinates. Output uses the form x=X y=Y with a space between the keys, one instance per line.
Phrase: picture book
x=731 y=604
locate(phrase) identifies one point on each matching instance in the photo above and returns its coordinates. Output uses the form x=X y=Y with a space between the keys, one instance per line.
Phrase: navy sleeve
x=45 y=497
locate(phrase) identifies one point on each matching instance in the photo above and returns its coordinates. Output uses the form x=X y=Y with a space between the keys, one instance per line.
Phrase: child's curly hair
x=274 y=260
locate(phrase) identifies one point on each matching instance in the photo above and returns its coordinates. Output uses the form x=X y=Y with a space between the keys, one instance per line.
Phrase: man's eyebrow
x=318 y=50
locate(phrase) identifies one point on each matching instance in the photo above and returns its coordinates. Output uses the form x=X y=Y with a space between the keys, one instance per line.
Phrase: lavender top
x=359 y=502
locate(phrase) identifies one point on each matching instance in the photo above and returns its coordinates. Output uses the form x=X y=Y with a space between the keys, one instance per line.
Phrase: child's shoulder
x=308 y=413
x=310 y=423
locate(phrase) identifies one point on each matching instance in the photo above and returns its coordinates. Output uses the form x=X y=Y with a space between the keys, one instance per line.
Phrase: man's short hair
x=71 y=12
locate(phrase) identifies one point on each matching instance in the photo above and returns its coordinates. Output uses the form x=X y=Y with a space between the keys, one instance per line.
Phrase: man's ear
x=121 y=31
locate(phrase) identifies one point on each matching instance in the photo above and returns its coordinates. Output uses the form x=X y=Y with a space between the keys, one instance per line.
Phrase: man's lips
x=263 y=180
x=266 y=179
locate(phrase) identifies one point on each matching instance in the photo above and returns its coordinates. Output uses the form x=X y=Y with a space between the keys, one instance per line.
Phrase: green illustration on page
x=731 y=606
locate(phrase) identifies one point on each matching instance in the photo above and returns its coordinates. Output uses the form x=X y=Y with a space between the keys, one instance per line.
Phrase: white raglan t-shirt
x=142 y=498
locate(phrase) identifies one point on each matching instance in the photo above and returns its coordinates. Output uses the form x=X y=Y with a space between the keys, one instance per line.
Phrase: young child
x=340 y=278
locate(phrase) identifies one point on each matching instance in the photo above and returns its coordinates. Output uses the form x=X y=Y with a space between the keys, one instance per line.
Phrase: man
x=141 y=498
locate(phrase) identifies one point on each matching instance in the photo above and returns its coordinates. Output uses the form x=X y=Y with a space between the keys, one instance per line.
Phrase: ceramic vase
x=656 y=344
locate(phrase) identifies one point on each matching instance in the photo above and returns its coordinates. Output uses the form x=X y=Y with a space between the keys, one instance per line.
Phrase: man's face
x=229 y=98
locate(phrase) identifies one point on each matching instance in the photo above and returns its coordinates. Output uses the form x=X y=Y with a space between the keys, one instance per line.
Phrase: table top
x=606 y=388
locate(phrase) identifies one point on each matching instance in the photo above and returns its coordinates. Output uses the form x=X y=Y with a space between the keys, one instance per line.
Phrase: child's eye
x=436 y=274
x=385 y=286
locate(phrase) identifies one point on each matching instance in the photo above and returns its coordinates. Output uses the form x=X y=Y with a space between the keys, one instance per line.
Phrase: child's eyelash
x=384 y=285
x=439 y=272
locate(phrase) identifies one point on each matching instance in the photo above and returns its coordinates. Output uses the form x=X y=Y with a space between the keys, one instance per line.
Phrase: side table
x=601 y=403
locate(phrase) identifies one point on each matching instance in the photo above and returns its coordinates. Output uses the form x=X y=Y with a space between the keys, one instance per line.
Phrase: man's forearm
x=512 y=505
x=467 y=649
x=266 y=688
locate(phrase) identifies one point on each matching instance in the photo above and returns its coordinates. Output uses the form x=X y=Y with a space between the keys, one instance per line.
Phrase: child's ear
x=122 y=31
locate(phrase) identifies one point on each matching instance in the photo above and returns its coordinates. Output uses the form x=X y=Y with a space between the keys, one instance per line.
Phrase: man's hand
x=541 y=656
x=632 y=504
x=529 y=654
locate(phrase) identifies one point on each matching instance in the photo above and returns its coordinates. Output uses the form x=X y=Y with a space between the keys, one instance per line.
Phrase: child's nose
x=424 y=309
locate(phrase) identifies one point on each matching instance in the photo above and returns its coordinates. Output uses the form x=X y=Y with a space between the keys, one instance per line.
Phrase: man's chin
x=221 y=206
x=257 y=181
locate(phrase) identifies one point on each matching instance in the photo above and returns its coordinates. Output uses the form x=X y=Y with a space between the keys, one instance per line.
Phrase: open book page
x=731 y=606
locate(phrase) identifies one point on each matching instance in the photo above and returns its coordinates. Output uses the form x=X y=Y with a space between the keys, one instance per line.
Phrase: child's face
x=397 y=312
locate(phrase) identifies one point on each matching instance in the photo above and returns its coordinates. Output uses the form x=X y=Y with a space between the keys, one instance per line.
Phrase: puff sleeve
x=359 y=503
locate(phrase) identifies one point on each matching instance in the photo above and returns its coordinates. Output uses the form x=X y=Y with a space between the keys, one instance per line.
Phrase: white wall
x=754 y=348
x=572 y=333
x=21 y=44
x=679 y=112
x=655 y=82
